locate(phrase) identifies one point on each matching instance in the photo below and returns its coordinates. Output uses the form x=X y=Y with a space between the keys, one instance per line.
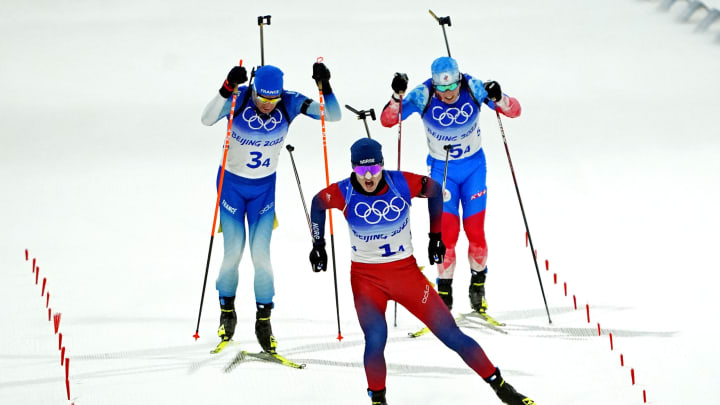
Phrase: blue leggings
x=254 y=199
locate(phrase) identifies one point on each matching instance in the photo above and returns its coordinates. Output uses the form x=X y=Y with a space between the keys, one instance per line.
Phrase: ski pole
x=522 y=209
x=290 y=150
x=399 y=149
x=226 y=146
x=262 y=21
x=447 y=157
x=327 y=184
x=442 y=21
x=362 y=115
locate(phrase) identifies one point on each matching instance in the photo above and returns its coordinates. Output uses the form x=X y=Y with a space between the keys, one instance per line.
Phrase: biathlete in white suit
x=449 y=105
x=263 y=113
x=376 y=205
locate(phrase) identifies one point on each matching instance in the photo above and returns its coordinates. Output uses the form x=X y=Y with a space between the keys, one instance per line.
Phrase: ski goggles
x=273 y=100
x=447 y=87
x=362 y=170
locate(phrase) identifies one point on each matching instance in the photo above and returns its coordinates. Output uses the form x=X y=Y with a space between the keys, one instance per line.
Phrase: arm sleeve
x=312 y=107
x=214 y=110
x=507 y=106
x=219 y=107
x=426 y=187
x=413 y=102
x=326 y=199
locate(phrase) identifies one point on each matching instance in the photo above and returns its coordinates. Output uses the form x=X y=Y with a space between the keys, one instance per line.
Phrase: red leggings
x=374 y=284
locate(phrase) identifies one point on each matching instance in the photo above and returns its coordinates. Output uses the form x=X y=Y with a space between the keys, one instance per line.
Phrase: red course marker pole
x=632 y=375
x=26 y=255
x=43 y=286
x=611 y=342
x=587 y=309
x=67 y=379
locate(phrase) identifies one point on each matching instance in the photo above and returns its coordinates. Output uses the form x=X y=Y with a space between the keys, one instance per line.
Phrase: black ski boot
x=377 y=397
x=506 y=392
x=445 y=291
x=263 y=329
x=228 y=318
x=477 y=291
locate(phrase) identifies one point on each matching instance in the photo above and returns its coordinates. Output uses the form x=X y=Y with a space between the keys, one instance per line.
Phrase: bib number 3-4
x=258 y=161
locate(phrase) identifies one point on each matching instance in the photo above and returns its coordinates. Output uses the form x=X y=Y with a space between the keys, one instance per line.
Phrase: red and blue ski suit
x=383 y=267
x=458 y=125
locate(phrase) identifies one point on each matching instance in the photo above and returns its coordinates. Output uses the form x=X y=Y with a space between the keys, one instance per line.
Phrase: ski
x=273 y=358
x=425 y=330
x=419 y=333
x=475 y=314
x=221 y=346
x=263 y=356
x=484 y=316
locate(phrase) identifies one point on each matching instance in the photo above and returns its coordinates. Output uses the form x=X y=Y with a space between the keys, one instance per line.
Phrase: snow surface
x=107 y=178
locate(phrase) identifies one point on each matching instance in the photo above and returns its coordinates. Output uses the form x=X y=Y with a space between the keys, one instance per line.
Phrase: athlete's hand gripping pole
x=362 y=115
x=443 y=21
x=262 y=21
x=522 y=209
x=327 y=184
x=226 y=146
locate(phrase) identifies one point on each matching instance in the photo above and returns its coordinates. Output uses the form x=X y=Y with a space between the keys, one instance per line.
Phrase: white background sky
x=107 y=177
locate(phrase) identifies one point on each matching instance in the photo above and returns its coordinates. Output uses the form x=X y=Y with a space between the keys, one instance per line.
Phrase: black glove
x=321 y=75
x=236 y=76
x=399 y=83
x=436 y=250
x=318 y=256
x=494 y=92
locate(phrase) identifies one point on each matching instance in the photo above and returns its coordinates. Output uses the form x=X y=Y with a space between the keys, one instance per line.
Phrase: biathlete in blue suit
x=449 y=105
x=262 y=116
x=376 y=205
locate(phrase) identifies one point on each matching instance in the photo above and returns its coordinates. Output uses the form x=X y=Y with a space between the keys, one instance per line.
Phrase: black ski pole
x=399 y=154
x=447 y=157
x=262 y=21
x=290 y=150
x=522 y=209
x=442 y=21
x=362 y=115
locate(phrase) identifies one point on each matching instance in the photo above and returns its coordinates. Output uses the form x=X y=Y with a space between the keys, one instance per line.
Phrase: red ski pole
x=327 y=184
x=226 y=146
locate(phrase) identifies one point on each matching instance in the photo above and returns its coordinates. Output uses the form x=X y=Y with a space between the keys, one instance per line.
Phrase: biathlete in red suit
x=376 y=205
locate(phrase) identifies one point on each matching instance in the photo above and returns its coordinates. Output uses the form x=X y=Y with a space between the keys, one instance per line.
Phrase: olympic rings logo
x=380 y=209
x=256 y=122
x=452 y=115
